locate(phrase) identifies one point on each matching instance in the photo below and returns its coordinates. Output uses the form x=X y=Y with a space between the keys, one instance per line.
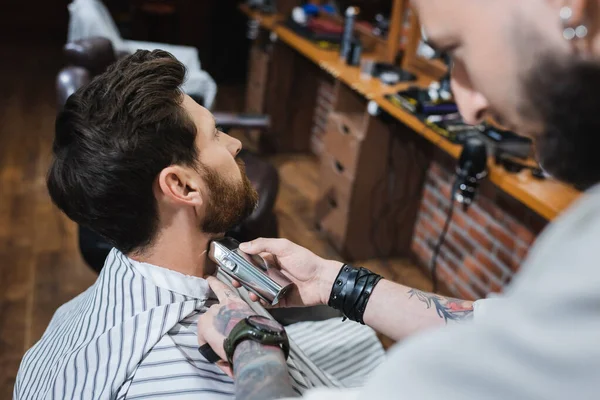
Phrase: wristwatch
x=259 y=329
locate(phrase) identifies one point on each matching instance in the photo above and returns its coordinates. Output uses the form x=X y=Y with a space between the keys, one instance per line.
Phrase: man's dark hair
x=113 y=138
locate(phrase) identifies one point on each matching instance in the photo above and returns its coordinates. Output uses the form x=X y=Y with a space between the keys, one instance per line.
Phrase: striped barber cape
x=132 y=335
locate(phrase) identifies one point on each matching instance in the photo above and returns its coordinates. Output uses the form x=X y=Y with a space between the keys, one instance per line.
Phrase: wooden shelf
x=546 y=197
x=266 y=21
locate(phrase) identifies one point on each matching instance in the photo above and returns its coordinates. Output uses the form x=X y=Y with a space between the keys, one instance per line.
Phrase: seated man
x=143 y=165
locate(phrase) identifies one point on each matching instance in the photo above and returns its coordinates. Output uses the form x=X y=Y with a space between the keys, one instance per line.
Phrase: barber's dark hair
x=113 y=138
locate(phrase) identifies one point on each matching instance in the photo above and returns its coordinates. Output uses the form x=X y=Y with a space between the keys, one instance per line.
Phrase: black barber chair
x=89 y=57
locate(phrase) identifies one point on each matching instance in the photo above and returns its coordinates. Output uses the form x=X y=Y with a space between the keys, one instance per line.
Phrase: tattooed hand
x=215 y=324
x=260 y=370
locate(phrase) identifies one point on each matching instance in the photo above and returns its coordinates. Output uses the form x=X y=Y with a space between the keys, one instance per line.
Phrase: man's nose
x=235 y=146
x=473 y=106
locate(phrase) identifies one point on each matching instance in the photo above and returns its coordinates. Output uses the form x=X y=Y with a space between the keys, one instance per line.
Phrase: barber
x=535 y=66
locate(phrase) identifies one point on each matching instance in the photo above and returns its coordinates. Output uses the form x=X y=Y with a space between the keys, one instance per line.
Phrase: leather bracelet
x=351 y=301
x=348 y=288
x=356 y=300
x=336 y=300
x=365 y=296
x=351 y=291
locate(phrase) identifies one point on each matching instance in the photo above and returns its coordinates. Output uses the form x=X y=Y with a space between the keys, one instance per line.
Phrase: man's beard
x=565 y=96
x=229 y=203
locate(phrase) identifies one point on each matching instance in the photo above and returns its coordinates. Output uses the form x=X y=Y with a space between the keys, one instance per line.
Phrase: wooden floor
x=40 y=266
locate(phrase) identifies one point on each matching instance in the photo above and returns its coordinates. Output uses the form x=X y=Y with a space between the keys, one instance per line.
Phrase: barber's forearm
x=260 y=372
x=398 y=311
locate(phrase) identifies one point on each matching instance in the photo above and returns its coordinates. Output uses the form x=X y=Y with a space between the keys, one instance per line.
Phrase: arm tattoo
x=446 y=307
x=260 y=372
x=229 y=316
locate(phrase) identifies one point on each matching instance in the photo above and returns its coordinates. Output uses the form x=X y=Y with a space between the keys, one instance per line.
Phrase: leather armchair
x=94 y=54
x=70 y=79
x=89 y=57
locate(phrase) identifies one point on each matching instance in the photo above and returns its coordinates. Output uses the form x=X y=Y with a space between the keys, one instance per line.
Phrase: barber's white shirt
x=541 y=340
x=132 y=335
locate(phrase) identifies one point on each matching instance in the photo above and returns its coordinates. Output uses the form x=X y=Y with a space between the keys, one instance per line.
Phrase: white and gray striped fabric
x=132 y=335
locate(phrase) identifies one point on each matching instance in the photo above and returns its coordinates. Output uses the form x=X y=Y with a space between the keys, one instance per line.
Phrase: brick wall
x=484 y=246
x=325 y=101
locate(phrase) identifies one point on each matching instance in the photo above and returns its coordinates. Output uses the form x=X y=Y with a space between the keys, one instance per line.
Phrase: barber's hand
x=215 y=324
x=312 y=275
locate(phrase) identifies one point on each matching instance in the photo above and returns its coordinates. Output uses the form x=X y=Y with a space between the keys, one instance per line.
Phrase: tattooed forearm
x=260 y=372
x=446 y=307
x=228 y=317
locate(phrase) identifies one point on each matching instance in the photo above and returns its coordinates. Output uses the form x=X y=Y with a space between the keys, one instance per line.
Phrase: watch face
x=265 y=324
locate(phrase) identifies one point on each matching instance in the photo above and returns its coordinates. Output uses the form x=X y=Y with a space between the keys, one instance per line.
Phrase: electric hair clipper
x=251 y=271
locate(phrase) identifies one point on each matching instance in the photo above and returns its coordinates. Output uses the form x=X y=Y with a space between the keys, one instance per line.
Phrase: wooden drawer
x=332 y=181
x=333 y=205
x=342 y=141
x=333 y=223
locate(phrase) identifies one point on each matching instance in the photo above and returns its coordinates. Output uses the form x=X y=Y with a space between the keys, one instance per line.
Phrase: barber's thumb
x=262 y=245
x=247 y=247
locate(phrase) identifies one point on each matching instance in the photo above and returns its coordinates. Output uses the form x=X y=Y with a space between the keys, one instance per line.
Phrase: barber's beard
x=229 y=203
x=565 y=95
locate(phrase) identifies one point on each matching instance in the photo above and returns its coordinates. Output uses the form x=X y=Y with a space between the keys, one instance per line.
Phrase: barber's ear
x=579 y=10
x=180 y=185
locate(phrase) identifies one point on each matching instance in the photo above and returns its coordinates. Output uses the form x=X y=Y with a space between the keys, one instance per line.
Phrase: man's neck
x=184 y=253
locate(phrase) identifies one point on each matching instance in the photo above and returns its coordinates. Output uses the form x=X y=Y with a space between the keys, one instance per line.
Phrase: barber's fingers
x=222 y=291
x=255 y=298
x=251 y=295
x=238 y=285
x=270 y=259
x=277 y=247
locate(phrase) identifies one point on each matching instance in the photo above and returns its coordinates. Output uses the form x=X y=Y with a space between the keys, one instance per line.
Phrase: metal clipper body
x=251 y=271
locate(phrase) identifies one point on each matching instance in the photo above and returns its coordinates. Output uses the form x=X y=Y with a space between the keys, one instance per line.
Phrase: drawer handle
x=338 y=166
x=332 y=202
x=345 y=129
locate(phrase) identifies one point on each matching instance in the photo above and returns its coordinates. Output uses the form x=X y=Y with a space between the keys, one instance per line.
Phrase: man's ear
x=180 y=185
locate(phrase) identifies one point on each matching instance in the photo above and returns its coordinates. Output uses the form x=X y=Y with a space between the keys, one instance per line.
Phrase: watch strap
x=243 y=331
